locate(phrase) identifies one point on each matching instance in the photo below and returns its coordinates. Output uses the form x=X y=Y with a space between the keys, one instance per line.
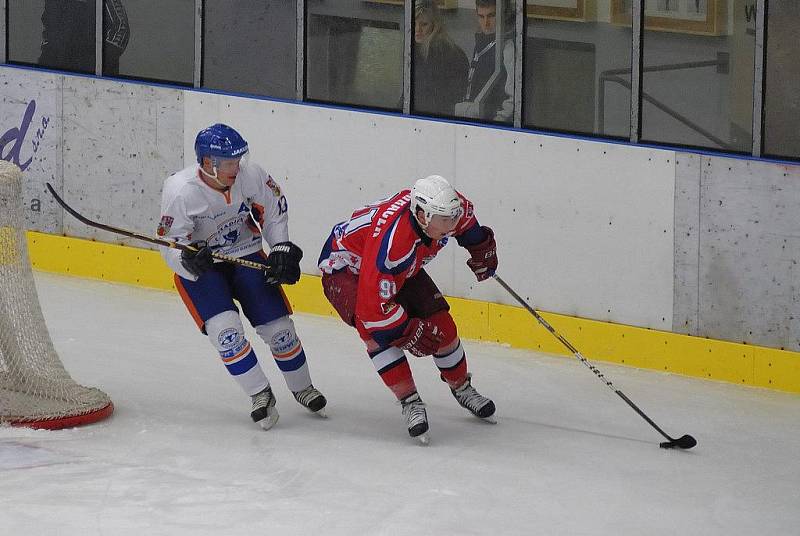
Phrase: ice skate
x=311 y=399
x=473 y=401
x=416 y=417
x=264 y=412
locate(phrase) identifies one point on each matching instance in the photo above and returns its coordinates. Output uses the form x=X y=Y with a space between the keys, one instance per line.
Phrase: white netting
x=35 y=388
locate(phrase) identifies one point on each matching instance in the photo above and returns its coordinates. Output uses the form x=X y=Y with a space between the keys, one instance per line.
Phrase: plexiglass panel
x=161 y=41
x=354 y=52
x=782 y=98
x=698 y=74
x=58 y=34
x=578 y=67
x=250 y=46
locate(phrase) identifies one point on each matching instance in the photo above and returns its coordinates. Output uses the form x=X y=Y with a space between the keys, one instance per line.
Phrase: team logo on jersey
x=228 y=231
x=165 y=225
x=243 y=208
x=388 y=307
x=231 y=237
x=272 y=185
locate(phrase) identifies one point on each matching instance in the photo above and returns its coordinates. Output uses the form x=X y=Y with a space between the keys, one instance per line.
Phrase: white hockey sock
x=226 y=334
x=287 y=351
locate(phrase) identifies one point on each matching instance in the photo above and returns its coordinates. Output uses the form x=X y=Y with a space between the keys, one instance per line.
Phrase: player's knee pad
x=226 y=333
x=444 y=321
x=280 y=335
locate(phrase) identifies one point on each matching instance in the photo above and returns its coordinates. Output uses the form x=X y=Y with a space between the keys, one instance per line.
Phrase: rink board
x=479 y=320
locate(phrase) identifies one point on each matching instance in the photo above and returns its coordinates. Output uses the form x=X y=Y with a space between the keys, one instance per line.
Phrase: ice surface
x=180 y=456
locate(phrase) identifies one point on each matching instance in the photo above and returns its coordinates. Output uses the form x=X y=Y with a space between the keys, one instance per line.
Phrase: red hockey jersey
x=383 y=244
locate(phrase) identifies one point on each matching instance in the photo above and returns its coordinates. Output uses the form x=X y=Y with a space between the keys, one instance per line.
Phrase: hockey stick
x=684 y=442
x=151 y=239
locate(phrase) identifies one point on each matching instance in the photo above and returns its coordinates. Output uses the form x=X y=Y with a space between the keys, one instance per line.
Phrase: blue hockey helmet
x=219 y=141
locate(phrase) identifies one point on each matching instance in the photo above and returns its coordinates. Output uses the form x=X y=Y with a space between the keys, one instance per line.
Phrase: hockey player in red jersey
x=373 y=275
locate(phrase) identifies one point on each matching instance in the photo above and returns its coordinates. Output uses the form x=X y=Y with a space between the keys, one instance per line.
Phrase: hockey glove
x=199 y=261
x=284 y=264
x=421 y=337
x=483 y=256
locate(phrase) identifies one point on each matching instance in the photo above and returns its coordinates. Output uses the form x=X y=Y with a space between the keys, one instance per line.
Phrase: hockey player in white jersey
x=226 y=204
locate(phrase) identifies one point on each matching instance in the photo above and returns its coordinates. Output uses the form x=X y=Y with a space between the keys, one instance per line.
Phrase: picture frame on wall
x=700 y=17
x=574 y=10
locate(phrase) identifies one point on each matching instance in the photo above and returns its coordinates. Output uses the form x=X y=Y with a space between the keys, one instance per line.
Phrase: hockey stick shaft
x=151 y=239
x=681 y=442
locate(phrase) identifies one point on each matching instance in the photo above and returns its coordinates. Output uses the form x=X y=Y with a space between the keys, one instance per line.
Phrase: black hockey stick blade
x=683 y=442
x=153 y=240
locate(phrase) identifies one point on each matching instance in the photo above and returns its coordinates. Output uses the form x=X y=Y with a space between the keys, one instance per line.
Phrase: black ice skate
x=473 y=401
x=264 y=412
x=416 y=417
x=311 y=399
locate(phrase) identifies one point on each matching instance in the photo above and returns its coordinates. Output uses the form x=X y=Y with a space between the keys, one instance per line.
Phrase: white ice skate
x=416 y=417
x=311 y=399
x=264 y=412
x=473 y=401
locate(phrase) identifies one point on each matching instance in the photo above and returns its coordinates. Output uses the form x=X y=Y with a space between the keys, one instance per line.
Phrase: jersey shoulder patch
x=165 y=225
x=272 y=185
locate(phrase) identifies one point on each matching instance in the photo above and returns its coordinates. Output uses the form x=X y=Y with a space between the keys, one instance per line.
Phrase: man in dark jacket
x=487 y=96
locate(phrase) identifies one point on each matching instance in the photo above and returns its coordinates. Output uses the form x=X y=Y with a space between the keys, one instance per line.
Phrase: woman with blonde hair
x=440 y=66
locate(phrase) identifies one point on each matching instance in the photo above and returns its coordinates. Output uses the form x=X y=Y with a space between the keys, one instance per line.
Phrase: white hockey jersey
x=192 y=210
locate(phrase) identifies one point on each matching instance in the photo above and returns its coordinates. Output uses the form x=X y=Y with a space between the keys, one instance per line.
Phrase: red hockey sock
x=398 y=378
x=456 y=376
x=453 y=366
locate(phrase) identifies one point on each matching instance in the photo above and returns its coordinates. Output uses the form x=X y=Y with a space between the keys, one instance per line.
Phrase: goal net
x=35 y=388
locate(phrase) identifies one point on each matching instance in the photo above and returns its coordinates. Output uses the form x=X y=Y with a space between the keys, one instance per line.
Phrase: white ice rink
x=180 y=455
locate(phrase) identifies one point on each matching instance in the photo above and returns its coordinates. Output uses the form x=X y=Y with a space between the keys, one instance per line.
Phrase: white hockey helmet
x=434 y=196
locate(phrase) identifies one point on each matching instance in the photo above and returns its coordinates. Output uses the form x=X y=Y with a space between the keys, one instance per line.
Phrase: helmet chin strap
x=423 y=226
x=213 y=177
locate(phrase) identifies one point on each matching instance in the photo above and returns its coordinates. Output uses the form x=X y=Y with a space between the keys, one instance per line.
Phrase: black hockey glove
x=284 y=264
x=197 y=262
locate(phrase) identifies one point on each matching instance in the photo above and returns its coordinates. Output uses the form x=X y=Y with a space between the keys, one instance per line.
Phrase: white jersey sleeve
x=175 y=225
x=274 y=221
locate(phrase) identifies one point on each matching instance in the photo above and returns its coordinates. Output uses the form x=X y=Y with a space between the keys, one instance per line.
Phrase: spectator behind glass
x=496 y=95
x=68 y=29
x=440 y=66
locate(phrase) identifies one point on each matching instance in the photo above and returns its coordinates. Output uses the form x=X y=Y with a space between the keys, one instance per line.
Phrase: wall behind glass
x=250 y=46
x=354 y=53
x=577 y=73
x=58 y=34
x=782 y=95
x=697 y=80
x=463 y=60
x=161 y=42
